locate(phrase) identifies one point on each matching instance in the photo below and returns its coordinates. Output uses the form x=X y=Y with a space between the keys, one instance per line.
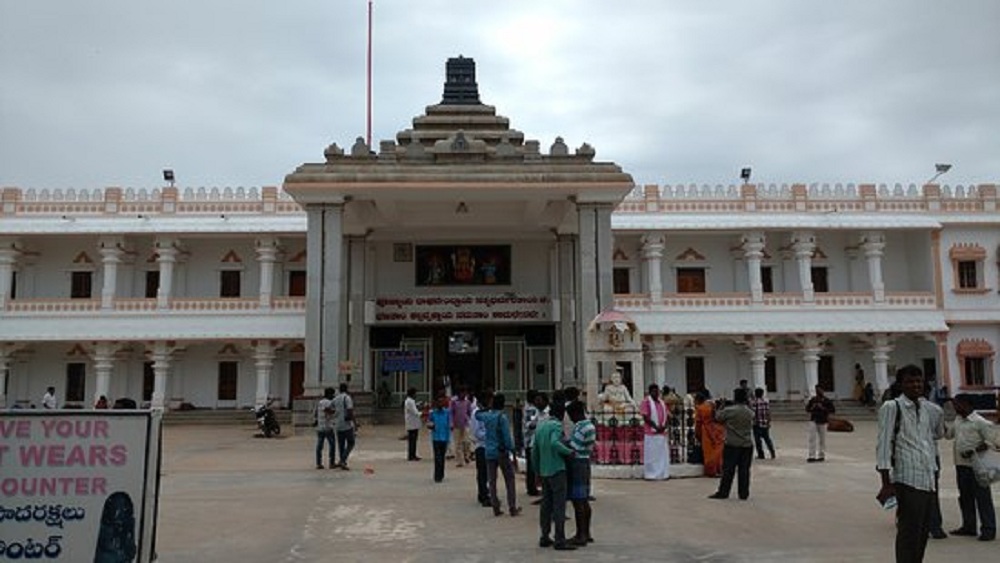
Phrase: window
x=967 y=261
x=229 y=283
x=81 y=284
x=148 y=381
x=767 y=280
x=690 y=280
x=621 y=281
x=975 y=359
x=297 y=283
x=967 y=275
x=76 y=382
x=13 y=284
x=975 y=372
x=819 y=279
x=152 y=283
x=228 y=374
x=694 y=373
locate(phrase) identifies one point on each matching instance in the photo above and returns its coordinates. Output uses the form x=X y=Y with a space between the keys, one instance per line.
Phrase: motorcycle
x=267 y=422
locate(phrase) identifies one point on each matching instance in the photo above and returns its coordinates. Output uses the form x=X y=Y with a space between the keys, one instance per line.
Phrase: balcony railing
x=46 y=306
x=737 y=301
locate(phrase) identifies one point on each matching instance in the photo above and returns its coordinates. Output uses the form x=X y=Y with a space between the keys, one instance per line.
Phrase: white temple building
x=462 y=253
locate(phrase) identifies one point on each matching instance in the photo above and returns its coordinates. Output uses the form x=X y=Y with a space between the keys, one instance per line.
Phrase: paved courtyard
x=227 y=496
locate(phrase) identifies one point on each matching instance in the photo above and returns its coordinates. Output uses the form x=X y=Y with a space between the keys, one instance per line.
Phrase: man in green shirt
x=548 y=456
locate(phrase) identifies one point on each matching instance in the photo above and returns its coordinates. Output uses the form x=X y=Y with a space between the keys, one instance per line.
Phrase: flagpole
x=368 y=137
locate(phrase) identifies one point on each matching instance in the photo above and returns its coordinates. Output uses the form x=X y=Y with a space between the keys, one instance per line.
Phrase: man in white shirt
x=972 y=434
x=905 y=460
x=412 y=422
x=325 y=433
x=49 y=399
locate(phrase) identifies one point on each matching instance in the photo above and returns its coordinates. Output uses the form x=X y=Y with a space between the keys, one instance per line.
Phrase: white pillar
x=267 y=253
x=811 y=347
x=263 y=361
x=166 y=254
x=9 y=251
x=594 y=265
x=111 y=255
x=758 y=359
x=161 y=371
x=804 y=245
x=658 y=350
x=104 y=357
x=357 y=335
x=873 y=243
x=324 y=296
x=570 y=347
x=880 y=356
x=652 y=252
x=753 y=251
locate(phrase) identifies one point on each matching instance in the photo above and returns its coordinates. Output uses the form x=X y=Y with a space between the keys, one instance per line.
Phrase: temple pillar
x=758 y=359
x=111 y=249
x=570 y=344
x=104 y=358
x=324 y=296
x=659 y=348
x=594 y=266
x=166 y=258
x=873 y=244
x=753 y=252
x=804 y=246
x=161 y=372
x=880 y=357
x=652 y=253
x=811 y=347
x=263 y=362
x=267 y=253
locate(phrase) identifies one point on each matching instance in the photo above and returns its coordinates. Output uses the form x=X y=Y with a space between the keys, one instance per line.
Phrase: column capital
x=653 y=244
x=803 y=244
x=753 y=245
x=873 y=244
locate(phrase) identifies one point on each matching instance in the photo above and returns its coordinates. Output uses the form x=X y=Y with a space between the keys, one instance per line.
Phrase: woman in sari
x=711 y=433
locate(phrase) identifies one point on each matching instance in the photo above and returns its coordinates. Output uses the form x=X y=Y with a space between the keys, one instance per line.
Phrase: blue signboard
x=403 y=360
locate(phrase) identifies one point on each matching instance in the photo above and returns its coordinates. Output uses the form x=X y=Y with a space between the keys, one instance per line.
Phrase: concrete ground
x=228 y=496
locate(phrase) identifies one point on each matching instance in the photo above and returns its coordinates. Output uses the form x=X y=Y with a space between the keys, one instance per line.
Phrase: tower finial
x=460 y=86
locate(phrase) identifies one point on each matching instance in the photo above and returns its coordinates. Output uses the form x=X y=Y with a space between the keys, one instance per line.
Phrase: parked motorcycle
x=267 y=422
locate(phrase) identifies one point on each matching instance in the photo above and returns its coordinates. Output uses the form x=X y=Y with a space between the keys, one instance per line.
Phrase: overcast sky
x=102 y=93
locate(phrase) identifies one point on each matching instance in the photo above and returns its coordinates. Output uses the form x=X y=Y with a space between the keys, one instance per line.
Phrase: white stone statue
x=616 y=396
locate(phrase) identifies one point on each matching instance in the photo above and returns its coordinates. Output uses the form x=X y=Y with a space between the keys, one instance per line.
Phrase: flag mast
x=368 y=137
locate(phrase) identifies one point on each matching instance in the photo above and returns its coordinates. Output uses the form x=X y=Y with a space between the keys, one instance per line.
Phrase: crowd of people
x=556 y=438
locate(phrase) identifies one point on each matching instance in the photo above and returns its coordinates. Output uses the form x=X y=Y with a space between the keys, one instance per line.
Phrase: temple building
x=462 y=253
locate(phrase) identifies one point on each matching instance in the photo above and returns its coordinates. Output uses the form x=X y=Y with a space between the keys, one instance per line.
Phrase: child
x=440 y=423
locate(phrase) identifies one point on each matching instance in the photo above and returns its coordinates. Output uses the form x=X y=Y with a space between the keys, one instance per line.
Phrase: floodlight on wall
x=939 y=169
x=168 y=176
x=745 y=175
x=462 y=208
